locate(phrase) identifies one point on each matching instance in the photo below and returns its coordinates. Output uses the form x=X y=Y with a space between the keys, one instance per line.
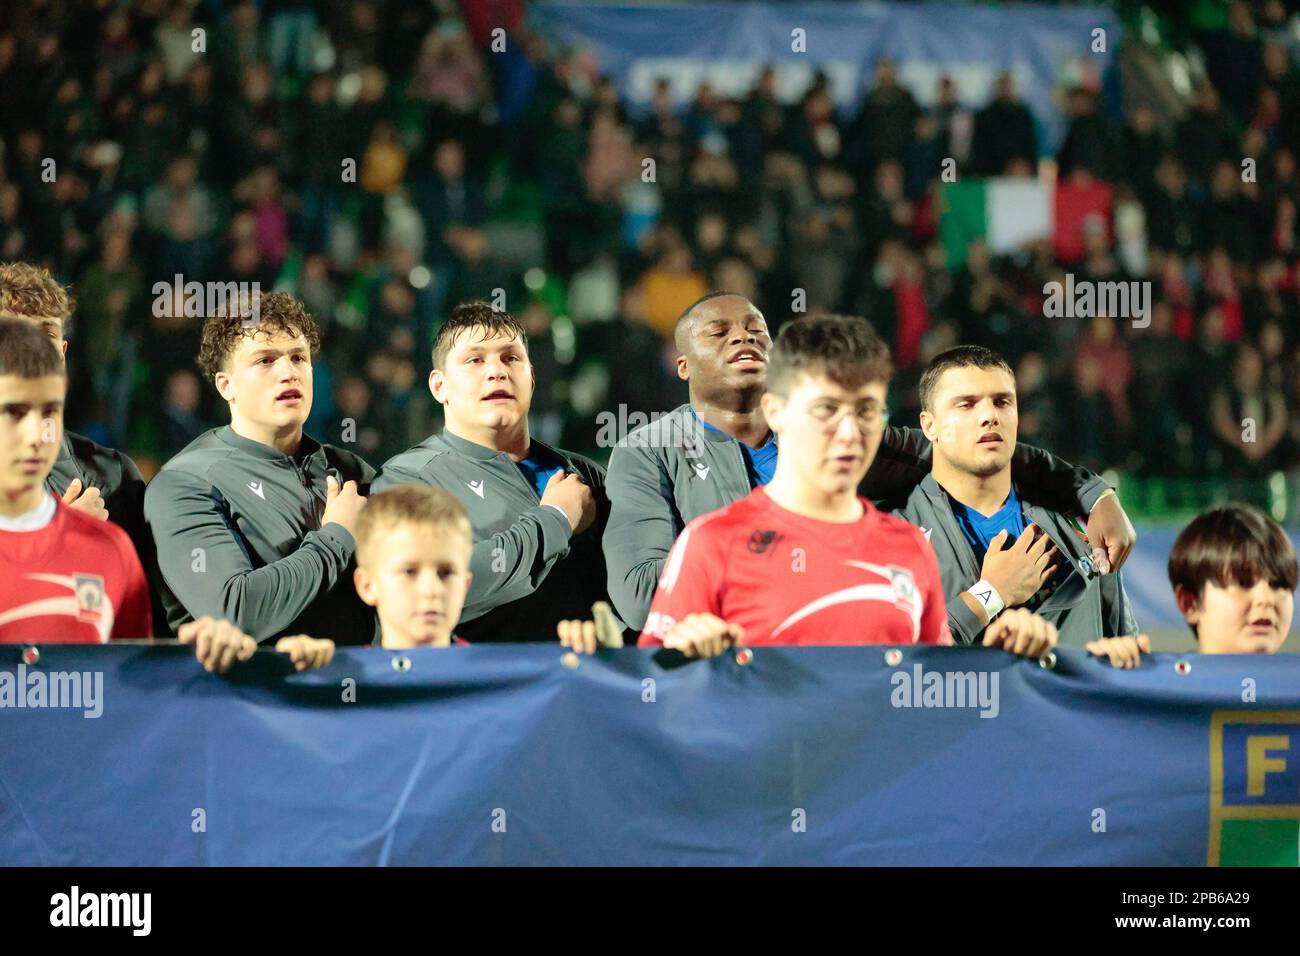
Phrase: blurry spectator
x=913 y=313
x=14 y=243
x=820 y=260
x=318 y=147
x=1090 y=415
x=1144 y=145
x=182 y=186
x=110 y=296
x=1230 y=220
x=292 y=25
x=382 y=167
x=261 y=193
x=384 y=163
x=981 y=299
x=448 y=71
x=183 y=250
x=955 y=126
x=1035 y=407
x=1092 y=142
x=1221 y=289
x=1103 y=346
x=1205 y=135
x=1004 y=131
x=814 y=134
x=1160 y=388
x=238 y=43
x=174 y=40
x=884 y=124
x=1234 y=59
x=642 y=366
x=670 y=285
x=886 y=212
x=352 y=399
x=1249 y=416
x=179 y=419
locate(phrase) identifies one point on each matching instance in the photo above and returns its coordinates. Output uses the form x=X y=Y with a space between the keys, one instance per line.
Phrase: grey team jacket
x=530 y=571
x=238 y=531
x=667 y=473
x=1084 y=606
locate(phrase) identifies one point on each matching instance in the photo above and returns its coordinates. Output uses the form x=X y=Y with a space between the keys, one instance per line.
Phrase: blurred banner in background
x=729 y=45
x=803 y=756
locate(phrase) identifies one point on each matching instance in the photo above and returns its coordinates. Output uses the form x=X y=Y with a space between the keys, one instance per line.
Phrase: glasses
x=829 y=415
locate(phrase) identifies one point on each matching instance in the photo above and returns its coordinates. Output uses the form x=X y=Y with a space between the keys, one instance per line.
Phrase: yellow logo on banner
x=1254 y=788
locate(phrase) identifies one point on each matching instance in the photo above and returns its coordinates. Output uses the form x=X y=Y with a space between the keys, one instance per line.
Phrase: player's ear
x=225 y=388
x=927 y=425
x=683 y=368
x=438 y=386
x=365 y=586
x=772 y=407
x=1189 y=604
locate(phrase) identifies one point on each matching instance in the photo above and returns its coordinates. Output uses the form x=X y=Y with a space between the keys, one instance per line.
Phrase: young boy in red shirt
x=65 y=577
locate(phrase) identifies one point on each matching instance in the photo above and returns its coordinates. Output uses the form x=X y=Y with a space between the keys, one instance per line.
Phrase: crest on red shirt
x=904 y=588
x=89 y=589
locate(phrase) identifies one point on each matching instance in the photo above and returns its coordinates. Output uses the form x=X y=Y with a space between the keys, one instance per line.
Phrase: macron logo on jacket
x=476 y=487
x=256 y=488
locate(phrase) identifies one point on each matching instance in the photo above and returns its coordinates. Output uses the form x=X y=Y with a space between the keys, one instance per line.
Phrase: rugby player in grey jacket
x=253 y=521
x=998 y=546
x=716 y=449
x=537 y=512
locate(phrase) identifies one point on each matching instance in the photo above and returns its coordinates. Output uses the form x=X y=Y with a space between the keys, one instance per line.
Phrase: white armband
x=988 y=597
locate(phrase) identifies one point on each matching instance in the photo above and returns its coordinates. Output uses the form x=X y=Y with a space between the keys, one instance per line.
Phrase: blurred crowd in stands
x=382 y=162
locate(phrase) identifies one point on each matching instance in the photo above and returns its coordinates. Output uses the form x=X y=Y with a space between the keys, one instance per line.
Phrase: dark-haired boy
x=1234 y=574
x=253 y=520
x=803 y=559
x=538 y=512
x=65 y=576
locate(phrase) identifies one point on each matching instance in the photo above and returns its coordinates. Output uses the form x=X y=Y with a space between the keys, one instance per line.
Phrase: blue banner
x=727 y=44
x=509 y=756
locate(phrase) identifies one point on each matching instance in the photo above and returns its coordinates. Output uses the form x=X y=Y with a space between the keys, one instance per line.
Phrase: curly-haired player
x=253 y=521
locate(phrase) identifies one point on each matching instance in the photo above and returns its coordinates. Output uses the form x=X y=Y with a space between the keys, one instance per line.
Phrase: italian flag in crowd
x=1010 y=212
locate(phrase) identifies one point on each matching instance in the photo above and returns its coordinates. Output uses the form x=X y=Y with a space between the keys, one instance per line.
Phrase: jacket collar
x=256 y=449
x=469 y=449
x=708 y=433
x=936 y=491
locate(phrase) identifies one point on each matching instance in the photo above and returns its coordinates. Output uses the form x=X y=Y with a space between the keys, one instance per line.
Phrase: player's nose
x=1263 y=596
x=34 y=429
x=849 y=429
